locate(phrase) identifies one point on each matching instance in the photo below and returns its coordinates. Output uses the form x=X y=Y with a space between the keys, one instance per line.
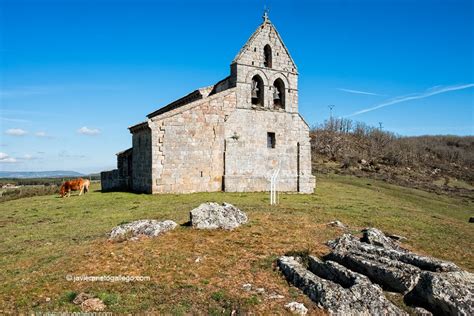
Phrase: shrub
x=28 y=191
x=345 y=141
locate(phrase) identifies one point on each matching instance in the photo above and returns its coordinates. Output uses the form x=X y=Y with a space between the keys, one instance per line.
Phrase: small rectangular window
x=270 y=140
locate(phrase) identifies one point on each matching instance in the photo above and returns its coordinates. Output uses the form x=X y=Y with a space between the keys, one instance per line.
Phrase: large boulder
x=447 y=293
x=337 y=289
x=214 y=216
x=146 y=227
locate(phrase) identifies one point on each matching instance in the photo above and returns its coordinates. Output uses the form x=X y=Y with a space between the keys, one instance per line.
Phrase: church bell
x=254 y=90
x=276 y=94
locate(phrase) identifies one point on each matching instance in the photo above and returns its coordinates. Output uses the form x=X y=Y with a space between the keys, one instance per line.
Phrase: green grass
x=46 y=238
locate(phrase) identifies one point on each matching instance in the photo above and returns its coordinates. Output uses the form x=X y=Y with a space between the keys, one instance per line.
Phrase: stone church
x=231 y=136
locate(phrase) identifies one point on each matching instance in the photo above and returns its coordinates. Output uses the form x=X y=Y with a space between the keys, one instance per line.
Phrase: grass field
x=45 y=239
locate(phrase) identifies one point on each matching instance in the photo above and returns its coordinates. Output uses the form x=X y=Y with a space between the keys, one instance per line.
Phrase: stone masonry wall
x=142 y=161
x=112 y=181
x=250 y=163
x=188 y=145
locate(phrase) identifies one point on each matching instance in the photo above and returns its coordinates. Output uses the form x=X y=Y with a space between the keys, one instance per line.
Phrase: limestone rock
x=396 y=237
x=247 y=287
x=448 y=293
x=297 y=308
x=391 y=274
x=349 y=243
x=81 y=297
x=214 y=215
x=337 y=224
x=337 y=289
x=93 y=305
x=375 y=237
x=439 y=286
x=342 y=284
x=151 y=228
x=274 y=296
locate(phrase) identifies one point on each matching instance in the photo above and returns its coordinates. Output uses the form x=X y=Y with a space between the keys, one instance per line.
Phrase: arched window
x=257 y=90
x=279 y=94
x=267 y=54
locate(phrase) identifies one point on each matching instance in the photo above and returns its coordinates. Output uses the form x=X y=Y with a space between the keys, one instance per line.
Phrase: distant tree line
x=44 y=181
x=34 y=186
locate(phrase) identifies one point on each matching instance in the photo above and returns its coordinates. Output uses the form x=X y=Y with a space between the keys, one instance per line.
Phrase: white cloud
x=28 y=157
x=88 y=131
x=27 y=91
x=41 y=134
x=7 y=119
x=416 y=96
x=5 y=158
x=24 y=91
x=66 y=154
x=16 y=132
x=358 y=92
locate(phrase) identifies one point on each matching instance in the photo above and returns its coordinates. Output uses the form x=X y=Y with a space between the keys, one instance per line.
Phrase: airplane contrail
x=429 y=92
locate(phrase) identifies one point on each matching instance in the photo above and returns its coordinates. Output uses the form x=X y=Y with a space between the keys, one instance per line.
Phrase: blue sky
x=75 y=74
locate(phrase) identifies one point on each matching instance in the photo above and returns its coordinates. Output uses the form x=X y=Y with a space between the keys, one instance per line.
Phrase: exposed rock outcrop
x=337 y=289
x=150 y=228
x=214 y=216
x=351 y=244
x=391 y=274
x=447 y=293
x=343 y=283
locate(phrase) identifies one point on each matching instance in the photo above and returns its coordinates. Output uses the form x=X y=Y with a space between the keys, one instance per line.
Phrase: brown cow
x=74 y=185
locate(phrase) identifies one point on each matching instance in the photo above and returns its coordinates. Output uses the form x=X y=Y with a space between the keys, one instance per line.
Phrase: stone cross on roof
x=266 y=11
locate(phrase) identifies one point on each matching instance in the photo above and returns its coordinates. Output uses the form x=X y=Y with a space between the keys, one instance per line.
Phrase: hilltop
x=38 y=174
x=442 y=164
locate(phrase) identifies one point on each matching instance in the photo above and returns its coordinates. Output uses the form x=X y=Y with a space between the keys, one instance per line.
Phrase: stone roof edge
x=124 y=151
x=302 y=118
x=176 y=103
x=204 y=93
x=138 y=126
x=191 y=105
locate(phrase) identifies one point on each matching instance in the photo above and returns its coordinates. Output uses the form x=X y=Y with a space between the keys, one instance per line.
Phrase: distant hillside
x=38 y=174
x=441 y=163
